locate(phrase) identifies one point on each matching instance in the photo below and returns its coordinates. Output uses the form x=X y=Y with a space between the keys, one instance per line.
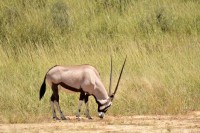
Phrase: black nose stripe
x=105 y=109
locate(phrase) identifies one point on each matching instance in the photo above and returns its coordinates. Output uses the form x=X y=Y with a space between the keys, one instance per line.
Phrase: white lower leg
x=58 y=107
x=79 y=108
x=87 y=110
x=53 y=109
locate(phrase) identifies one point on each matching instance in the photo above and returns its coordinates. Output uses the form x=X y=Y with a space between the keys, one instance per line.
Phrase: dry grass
x=161 y=40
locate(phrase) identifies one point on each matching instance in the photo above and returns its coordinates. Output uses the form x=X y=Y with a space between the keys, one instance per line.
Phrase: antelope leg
x=52 y=107
x=81 y=98
x=56 y=100
x=87 y=107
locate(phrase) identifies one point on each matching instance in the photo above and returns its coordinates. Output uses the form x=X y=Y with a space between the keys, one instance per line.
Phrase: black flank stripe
x=69 y=87
x=106 y=107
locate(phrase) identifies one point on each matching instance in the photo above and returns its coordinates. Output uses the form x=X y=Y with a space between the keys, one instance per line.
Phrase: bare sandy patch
x=156 y=123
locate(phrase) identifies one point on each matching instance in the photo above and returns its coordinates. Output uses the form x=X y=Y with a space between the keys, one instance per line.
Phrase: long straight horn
x=119 y=77
x=110 y=86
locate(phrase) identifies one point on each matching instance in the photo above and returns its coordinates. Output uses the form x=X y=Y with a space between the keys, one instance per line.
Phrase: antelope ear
x=112 y=96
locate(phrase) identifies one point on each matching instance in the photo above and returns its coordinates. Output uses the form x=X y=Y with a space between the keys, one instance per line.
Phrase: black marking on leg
x=82 y=96
x=55 y=92
x=52 y=98
x=86 y=98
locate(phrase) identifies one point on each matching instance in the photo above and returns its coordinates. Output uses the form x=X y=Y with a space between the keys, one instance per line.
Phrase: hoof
x=63 y=118
x=89 y=117
x=78 y=118
x=56 y=118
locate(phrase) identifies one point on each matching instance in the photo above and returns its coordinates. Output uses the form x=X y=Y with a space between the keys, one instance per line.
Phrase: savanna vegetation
x=161 y=39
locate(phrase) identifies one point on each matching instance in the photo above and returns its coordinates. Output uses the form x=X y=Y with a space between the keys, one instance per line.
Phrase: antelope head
x=103 y=107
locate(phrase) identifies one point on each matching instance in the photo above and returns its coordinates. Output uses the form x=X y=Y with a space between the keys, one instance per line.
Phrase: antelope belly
x=66 y=87
x=65 y=90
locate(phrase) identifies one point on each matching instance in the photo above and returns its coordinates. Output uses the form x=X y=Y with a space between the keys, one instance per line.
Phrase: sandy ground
x=181 y=124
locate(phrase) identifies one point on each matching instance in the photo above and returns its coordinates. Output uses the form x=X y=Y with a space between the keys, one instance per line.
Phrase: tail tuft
x=43 y=89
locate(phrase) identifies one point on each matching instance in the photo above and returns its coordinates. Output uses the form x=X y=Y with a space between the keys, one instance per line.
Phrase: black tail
x=43 y=88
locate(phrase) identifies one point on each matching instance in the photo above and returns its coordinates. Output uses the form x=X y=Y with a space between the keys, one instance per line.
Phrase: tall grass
x=160 y=38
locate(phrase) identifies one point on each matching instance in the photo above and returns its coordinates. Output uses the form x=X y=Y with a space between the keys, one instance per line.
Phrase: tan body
x=79 y=77
x=84 y=79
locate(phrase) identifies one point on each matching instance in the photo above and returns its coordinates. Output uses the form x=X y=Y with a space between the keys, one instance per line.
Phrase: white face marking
x=105 y=106
x=103 y=101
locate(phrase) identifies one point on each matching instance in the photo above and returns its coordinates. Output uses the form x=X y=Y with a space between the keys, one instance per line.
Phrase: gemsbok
x=80 y=78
